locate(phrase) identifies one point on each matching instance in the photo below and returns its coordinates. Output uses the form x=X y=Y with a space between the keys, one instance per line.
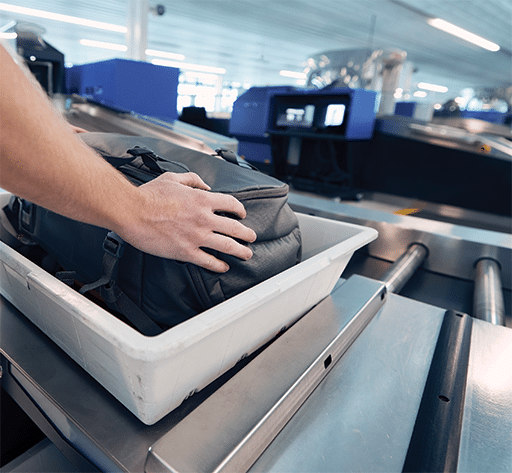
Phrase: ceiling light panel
x=103 y=45
x=463 y=34
x=189 y=67
x=432 y=87
x=165 y=55
x=63 y=18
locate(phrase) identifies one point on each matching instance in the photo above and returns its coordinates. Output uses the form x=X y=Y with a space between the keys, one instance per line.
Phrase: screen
x=297 y=117
x=334 y=115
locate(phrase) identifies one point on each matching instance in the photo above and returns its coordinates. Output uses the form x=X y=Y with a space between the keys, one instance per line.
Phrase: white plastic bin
x=151 y=376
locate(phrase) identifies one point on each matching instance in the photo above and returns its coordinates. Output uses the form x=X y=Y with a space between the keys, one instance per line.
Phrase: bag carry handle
x=159 y=165
x=232 y=157
x=154 y=162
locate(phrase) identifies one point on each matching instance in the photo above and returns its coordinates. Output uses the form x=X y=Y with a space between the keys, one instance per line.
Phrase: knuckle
x=228 y=246
x=233 y=227
x=234 y=203
x=203 y=220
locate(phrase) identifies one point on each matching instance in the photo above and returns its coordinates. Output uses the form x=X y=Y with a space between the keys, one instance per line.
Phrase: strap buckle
x=149 y=158
x=113 y=244
x=139 y=151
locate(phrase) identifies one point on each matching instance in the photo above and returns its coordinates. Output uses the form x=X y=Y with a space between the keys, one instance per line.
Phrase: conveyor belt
x=433 y=211
x=447 y=278
x=88 y=122
x=96 y=118
x=469 y=219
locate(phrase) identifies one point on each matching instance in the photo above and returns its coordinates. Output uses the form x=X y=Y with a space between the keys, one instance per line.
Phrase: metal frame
x=258 y=402
x=20 y=396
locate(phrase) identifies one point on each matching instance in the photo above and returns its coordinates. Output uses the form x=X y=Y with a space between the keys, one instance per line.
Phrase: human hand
x=178 y=218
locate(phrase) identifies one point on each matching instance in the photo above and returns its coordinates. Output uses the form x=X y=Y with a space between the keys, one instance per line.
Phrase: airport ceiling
x=255 y=39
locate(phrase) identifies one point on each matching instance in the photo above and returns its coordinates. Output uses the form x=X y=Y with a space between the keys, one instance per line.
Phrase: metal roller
x=488 y=303
x=401 y=271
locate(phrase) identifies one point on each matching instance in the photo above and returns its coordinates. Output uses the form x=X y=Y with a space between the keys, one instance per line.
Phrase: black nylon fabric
x=168 y=291
x=76 y=245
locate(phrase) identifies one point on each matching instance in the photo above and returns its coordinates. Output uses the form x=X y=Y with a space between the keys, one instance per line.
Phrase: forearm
x=43 y=161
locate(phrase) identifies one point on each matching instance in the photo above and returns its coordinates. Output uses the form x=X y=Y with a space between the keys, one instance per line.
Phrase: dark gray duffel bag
x=146 y=289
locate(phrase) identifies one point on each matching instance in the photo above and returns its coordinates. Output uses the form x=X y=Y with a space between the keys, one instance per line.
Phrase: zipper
x=270 y=193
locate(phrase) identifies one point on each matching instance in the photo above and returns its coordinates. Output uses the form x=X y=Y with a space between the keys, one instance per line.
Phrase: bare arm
x=43 y=161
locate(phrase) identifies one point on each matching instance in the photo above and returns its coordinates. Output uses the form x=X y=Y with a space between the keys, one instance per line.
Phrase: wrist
x=128 y=211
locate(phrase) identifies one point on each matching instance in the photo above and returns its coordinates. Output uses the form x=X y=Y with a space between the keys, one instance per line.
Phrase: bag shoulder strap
x=113 y=246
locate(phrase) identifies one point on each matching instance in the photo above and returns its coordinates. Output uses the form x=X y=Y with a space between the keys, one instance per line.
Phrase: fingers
x=225 y=244
x=228 y=204
x=189 y=179
x=219 y=203
x=234 y=229
x=210 y=262
x=222 y=235
x=222 y=244
x=228 y=245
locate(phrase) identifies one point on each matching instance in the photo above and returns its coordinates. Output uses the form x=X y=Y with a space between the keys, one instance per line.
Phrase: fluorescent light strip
x=189 y=67
x=8 y=26
x=122 y=47
x=463 y=34
x=293 y=74
x=103 y=45
x=8 y=35
x=420 y=93
x=164 y=54
x=432 y=87
x=64 y=18
x=206 y=76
